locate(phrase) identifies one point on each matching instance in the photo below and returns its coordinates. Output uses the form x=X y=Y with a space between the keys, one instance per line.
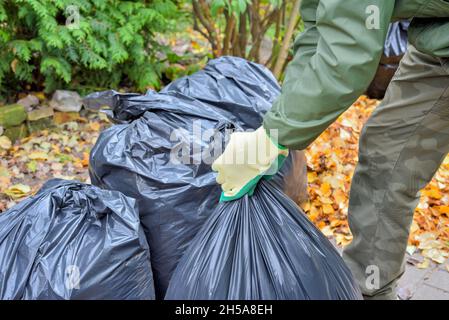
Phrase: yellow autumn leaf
x=326 y=200
x=95 y=126
x=40 y=95
x=424 y=264
x=443 y=209
x=305 y=206
x=414 y=227
x=325 y=189
x=5 y=143
x=311 y=177
x=439 y=256
x=18 y=191
x=430 y=244
x=342 y=240
x=38 y=155
x=327 y=231
x=340 y=196
x=328 y=209
x=314 y=213
x=433 y=192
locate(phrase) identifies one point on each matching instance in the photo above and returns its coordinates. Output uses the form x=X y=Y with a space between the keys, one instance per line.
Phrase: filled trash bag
x=74 y=241
x=397 y=39
x=394 y=49
x=162 y=148
x=261 y=248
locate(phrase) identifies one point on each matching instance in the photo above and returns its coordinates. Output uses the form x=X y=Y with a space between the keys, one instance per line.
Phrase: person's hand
x=248 y=157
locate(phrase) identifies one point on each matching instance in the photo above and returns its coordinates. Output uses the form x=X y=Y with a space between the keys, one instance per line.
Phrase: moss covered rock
x=12 y=115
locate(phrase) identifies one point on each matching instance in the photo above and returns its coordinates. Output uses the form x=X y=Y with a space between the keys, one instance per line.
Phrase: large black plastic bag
x=397 y=39
x=74 y=241
x=134 y=156
x=258 y=248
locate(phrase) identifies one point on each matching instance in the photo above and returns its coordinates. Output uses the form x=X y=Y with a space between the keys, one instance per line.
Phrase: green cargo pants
x=401 y=147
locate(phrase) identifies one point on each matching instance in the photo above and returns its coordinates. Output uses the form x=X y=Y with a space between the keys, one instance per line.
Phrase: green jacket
x=337 y=55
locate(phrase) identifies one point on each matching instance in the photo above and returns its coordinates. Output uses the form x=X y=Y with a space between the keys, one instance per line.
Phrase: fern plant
x=82 y=43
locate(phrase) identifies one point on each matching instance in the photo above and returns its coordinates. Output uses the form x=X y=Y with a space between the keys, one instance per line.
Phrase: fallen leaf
x=32 y=166
x=18 y=191
x=5 y=143
x=411 y=249
x=328 y=209
x=85 y=160
x=430 y=244
x=443 y=209
x=38 y=155
x=327 y=231
x=439 y=256
x=423 y=265
x=325 y=189
x=95 y=126
x=414 y=227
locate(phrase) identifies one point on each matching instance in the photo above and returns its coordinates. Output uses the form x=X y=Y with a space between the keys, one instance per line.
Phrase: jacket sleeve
x=335 y=60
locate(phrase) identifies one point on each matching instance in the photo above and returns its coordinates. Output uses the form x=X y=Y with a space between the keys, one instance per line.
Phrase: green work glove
x=248 y=157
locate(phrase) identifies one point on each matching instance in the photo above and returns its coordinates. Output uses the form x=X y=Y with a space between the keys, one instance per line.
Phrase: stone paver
x=439 y=279
x=427 y=292
x=421 y=284
x=424 y=284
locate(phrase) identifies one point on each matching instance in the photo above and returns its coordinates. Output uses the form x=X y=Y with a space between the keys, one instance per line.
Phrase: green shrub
x=112 y=43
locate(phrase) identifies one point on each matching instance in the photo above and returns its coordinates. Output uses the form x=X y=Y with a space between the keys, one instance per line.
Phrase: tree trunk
x=283 y=53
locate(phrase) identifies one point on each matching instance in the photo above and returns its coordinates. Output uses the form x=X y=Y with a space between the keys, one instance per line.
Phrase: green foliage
x=110 y=43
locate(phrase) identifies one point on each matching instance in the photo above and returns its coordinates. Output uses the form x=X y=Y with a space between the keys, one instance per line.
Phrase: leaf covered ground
x=64 y=152
x=331 y=162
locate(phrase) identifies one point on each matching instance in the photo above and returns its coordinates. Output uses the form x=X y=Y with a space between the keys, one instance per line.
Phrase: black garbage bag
x=397 y=39
x=136 y=156
x=74 y=241
x=261 y=248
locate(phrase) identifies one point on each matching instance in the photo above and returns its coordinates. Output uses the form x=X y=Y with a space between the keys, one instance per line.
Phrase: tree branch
x=283 y=53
